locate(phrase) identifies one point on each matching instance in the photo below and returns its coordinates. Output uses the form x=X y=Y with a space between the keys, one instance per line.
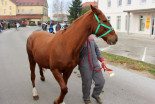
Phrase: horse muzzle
x=112 y=41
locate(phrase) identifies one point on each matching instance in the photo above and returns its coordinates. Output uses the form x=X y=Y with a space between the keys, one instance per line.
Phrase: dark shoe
x=98 y=99
x=87 y=102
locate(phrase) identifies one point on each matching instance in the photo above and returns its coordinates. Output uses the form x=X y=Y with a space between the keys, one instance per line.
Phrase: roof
x=29 y=2
x=59 y=15
x=148 y=10
x=89 y=3
x=34 y=16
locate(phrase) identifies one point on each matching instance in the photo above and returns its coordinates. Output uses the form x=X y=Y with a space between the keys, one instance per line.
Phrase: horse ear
x=95 y=10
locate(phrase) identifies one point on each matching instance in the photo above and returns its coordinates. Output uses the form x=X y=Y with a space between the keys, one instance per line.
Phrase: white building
x=130 y=16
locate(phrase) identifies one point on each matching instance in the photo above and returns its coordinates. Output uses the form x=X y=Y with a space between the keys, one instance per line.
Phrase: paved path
x=16 y=88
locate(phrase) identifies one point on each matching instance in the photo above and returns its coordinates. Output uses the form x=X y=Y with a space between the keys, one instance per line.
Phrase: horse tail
x=29 y=47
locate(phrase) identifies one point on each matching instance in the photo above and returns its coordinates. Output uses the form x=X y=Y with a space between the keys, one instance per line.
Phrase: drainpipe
x=128 y=23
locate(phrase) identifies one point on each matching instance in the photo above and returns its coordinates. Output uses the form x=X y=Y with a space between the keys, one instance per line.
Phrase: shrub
x=12 y=26
x=32 y=24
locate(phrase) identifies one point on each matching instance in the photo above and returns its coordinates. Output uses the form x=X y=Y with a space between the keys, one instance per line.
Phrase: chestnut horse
x=60 y=52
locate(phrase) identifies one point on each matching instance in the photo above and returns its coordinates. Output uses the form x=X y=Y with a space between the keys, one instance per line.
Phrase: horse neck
x=78 y=34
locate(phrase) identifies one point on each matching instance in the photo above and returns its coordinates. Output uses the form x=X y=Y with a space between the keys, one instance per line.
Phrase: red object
x=102 y=59
x=88 y=42
x=105 y=68
x=103 y=65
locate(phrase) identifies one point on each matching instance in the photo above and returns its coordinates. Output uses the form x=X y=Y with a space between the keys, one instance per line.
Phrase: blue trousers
x=88 y=75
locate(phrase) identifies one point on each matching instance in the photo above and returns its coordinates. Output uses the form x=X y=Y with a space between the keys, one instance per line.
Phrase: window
x=37 y=3
x=143 y=1
x=23 y=3
x=18 y=11
x=109 y=18
x=10 y=7
x=22 y=11
x=31 y=11
x=119 y=2
x=2 y=2
x=6 y=3
x=109 y=3
x=142 y=23
x=118 y=22
x=129 y=2
x=4 y=11
x=10 y=13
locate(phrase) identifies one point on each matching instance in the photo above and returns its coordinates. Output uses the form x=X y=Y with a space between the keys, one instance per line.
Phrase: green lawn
x=130 y=63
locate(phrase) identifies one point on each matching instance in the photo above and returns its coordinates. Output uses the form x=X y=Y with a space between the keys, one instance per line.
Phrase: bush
x=32 y=24
x=12 y=26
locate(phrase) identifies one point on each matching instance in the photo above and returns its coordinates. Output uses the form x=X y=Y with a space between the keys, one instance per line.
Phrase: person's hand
x=103 y=65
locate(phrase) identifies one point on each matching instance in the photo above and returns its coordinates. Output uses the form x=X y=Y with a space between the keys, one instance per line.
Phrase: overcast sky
x=50 y=4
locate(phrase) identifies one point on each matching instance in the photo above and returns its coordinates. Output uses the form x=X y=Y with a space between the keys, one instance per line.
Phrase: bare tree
x=58 y=9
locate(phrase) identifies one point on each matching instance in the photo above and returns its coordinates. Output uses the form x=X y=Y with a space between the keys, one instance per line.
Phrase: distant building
x=28 y=10
x=89 y=3
x=130 y=16
x=60 y=17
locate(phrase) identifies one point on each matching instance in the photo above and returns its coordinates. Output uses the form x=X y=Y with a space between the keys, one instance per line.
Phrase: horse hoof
x=36 y=97
x=42 y=79
x=62 y=103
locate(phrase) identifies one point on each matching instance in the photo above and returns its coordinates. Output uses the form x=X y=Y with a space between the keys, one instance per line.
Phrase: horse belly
x=42 y=61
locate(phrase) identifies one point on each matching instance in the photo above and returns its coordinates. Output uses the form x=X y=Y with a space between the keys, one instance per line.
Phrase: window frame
x=10 y=7
x=141 y=1
x=118 y=23
x=119 y=3
x=108 y=3
x=128 y=2
x=4 y=11
x=109 y=18
x=22 y=11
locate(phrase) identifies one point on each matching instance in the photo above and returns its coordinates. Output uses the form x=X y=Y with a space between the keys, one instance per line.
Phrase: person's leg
x=99 y=83
x=86 y=75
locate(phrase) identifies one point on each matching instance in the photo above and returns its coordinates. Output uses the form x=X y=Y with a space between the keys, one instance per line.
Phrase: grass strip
x=130 y=63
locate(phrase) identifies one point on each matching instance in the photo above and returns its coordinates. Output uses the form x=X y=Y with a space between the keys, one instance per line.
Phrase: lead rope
x=104 y=67
x=89 y=58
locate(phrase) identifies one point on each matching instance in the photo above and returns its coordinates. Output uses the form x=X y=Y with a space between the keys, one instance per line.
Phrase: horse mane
x=87 y=13
x=75 y=21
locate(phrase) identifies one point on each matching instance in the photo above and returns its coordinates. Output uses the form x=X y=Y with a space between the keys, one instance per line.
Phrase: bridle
x=101 y=24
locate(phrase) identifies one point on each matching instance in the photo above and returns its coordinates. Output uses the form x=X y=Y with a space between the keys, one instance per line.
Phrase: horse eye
x=104 y=20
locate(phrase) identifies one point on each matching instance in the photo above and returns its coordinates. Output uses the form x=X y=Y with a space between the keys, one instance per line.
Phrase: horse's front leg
x=58 y=76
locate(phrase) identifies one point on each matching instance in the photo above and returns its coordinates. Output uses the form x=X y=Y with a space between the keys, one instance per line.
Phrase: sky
x=50 y=4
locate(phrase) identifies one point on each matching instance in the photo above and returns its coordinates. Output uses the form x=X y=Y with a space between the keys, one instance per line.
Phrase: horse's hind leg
x=41 y=73
x=32 y=68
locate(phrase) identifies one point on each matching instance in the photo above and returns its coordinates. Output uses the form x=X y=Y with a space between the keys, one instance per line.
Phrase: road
x=137 y=48
x=16 y=88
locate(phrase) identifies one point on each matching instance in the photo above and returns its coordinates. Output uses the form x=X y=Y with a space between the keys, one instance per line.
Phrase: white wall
x=116 y=10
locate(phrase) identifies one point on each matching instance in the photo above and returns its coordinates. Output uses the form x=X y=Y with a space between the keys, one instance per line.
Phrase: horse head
x=102 y=28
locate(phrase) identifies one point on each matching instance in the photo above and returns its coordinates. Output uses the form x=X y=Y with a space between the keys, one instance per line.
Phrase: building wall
x=7 y=7
x=29 y=9
x=116 y=10
x=45 y=18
